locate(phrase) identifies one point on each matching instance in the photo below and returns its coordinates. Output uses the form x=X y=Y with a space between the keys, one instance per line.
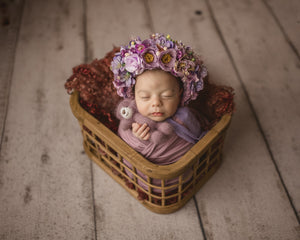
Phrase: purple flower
x=138 y=40
x=195 y=87
x=123 y=82
x=117 y=64
x=123 y=51
x=131 y=43
x=184 y=67
x=179 y=54
x=161 y=40
x=203 y=72
x=199 y=85
x=190 y=92
x=150 y=58
x=133 y=63
x=122 y=92
x=189 y=50
x=140 y=48
x=148 y=42
x=169 y=44
x=167 y=59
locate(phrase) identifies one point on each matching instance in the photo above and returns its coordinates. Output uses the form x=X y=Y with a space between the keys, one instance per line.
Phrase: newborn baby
x=160 y=76
x=155 y=112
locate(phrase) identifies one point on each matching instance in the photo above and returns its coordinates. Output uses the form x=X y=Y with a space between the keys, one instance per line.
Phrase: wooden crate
x=188 y=174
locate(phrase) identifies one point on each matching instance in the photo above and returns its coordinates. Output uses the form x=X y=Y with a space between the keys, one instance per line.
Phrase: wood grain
x=46 y=183
x=239 y=201
x=10 y=17
x=287 y=16
x=269 y=70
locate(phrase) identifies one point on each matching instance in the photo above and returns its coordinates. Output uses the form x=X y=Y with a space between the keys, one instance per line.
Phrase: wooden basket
x=109 y=151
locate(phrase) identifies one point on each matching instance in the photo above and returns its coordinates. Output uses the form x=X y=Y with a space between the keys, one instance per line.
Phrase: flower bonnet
x=158 y=52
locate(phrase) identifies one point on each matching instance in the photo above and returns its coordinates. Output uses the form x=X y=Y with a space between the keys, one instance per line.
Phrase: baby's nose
x=156 y=102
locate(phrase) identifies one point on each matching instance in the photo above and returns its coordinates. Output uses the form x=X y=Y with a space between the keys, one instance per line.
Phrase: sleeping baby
x=157 y=78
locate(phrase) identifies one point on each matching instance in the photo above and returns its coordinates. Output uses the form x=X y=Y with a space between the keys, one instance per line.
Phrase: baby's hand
x=141 y=131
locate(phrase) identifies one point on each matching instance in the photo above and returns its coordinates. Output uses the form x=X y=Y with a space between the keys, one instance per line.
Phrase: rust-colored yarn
x=97 y=94
x=94 y=81
x=213 y=102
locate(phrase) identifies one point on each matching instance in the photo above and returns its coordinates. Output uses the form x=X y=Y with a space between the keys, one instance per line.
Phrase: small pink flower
x=140 y=48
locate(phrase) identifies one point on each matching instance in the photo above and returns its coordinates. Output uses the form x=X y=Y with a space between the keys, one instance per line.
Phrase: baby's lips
x=157 y=114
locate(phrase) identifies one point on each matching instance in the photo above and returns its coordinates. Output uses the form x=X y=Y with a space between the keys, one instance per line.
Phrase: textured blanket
x=162 y=154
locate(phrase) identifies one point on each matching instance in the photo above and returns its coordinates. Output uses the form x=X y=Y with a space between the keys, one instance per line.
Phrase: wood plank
x=287 y=16
x=127 y=19
x=273 y=87
x=245 y=198
x=46 y=183
x=118 y=214
x=10 y=16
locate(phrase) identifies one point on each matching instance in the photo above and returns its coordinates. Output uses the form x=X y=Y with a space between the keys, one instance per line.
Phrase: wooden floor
x=49 y=189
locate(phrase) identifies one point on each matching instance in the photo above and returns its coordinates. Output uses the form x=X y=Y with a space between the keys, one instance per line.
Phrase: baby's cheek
x=143 y=110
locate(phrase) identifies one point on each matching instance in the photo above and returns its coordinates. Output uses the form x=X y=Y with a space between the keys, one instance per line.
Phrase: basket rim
x=136 y=159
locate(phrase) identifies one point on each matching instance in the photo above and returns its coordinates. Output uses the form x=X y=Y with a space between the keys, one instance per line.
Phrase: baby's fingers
x=147 y=137
x=143 y=130
x=143 y=134
x=135 y=127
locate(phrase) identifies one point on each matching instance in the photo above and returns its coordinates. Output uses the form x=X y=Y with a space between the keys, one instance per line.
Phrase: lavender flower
x=161 y=41
x=122 y=83
x=184 y=67
x=117 y=64
x=148 y=42
x=203 y=72
x=180 y=53
x=133 y=64
x=140 y=48
x=150 y=58
x=167 y=59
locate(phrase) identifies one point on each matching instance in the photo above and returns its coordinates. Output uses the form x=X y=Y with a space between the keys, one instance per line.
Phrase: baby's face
x=157 y=94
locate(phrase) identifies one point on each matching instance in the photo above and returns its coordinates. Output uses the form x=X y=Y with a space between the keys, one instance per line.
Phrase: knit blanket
x=162 y=154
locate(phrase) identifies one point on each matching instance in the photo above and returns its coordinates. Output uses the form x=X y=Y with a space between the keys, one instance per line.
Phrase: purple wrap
x=162 y=154
x=186 y=125
x=186 y=133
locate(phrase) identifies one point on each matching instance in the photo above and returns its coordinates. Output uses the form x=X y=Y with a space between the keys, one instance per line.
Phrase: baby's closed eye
x=167 y=96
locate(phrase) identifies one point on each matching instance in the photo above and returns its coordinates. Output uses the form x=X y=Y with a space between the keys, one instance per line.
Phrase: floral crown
x=158 y=52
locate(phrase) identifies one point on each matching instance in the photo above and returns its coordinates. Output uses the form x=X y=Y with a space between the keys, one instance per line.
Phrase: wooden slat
x=10 y=16
x=45 y=190
x=118 y=215
x=245 y=199
x=287 y=15
x=113 y=23
x=270 y=71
